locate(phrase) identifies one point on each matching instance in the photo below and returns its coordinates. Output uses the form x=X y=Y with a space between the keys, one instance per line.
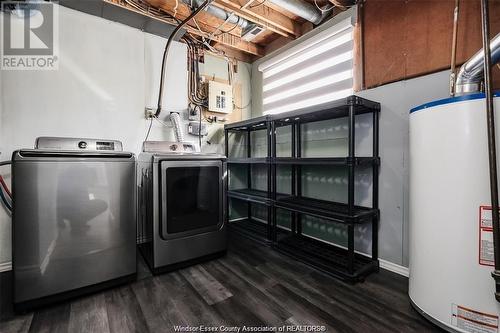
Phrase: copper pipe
x=453 y=66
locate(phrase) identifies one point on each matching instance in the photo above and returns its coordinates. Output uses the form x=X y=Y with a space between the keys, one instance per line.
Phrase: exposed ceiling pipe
x=304 y=9
x=471 y=73
x=222 y=14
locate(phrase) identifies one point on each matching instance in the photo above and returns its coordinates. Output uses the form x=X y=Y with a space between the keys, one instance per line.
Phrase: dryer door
x=191 y=197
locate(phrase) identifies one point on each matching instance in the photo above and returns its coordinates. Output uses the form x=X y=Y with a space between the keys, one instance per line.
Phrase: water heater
x=451 y=237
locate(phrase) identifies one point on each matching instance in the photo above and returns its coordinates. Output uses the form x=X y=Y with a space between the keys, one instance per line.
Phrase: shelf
x=329 y=210
x=251 y=228
x=326 y=257
x=250 y=195
x=253 y=124
x=251 y=160
x=326 y=160
x=332 y=110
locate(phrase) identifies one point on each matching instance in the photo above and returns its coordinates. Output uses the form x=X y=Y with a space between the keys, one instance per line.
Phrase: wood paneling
x=405 y=39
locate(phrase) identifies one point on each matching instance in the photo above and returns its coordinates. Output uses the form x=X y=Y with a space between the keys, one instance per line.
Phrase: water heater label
x=486 y=253
x=473 y=321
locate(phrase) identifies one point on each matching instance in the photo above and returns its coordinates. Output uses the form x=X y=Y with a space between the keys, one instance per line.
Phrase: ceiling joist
x=208 y=24
x=280 y=26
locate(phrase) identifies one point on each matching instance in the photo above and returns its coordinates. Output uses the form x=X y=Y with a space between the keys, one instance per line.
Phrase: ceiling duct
x=304 y=9
x=471 y=73
x=222 y=14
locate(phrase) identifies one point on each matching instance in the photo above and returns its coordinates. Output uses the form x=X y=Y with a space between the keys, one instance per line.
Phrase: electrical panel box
x=220 y=97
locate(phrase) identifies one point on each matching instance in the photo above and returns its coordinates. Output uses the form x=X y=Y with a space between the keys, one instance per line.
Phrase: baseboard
x=6 y=266
x=398 y=269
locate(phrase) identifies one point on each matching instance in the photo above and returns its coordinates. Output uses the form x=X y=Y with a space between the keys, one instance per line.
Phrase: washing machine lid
x=27 y=153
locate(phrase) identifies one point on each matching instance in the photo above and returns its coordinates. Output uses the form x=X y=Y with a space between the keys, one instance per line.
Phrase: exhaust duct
x=175 y=118
x=222 y=14
x=304 y=9
x=471 y=73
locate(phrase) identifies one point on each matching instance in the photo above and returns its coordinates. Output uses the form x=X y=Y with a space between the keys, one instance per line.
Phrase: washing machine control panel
x=55 y=143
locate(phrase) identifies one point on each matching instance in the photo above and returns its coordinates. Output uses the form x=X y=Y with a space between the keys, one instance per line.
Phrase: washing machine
x=74 y=219
x=182 y=205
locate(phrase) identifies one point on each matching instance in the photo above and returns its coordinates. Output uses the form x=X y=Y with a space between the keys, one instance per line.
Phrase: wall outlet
x=149 y=113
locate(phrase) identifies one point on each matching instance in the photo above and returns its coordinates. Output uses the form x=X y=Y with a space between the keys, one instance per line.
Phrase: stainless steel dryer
x=181 y=204
x=74 y=219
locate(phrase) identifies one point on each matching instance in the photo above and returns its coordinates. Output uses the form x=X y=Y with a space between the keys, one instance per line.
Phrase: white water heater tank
x=451 y=239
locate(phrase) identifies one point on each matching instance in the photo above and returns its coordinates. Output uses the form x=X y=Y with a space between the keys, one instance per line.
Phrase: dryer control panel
x=169 y=147
x=56 y=143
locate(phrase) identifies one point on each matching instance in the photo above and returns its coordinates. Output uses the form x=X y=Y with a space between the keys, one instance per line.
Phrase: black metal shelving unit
x=344 y=263
x=251 y=226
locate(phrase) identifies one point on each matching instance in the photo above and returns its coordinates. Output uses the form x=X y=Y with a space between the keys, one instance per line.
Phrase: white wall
x=396 y=100
x=108 y=74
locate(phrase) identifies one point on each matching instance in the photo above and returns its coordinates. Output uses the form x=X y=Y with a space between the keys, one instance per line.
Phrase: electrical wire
x=199 y=127
x=6 y=204
x=176 y=7
x=4 y=186
x=259 y=4
x=227 y=31
x=167 y=47
x=149 y=129
x=322 y=9
x=162 y=122
x=4 y=191
x=152 y=11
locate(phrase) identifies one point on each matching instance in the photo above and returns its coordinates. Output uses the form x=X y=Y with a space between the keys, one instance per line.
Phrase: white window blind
x=316 y=71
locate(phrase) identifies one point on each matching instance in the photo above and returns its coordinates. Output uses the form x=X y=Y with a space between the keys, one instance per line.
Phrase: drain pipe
x=491 y=144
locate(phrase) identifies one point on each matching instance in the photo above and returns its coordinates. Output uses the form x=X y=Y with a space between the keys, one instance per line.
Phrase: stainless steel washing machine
x=74 y=219
x=182 y=205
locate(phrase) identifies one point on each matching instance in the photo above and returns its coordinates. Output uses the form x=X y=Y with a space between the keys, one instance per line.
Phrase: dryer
x=181 y=204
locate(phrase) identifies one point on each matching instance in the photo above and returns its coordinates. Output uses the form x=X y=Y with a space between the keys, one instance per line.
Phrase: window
x=316 y=71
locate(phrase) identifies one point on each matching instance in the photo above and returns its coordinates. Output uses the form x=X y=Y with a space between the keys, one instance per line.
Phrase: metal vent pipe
x=300 y=8
x=304 y=9
x=221 y=14
x=471 y=73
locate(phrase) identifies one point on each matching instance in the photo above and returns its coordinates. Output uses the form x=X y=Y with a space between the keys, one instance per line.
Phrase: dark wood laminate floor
x=253 y=285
